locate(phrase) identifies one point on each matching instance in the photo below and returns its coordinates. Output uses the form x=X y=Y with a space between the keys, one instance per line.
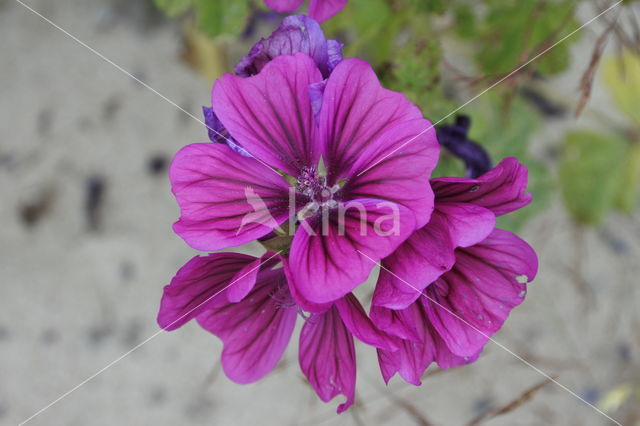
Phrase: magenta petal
x=468 y=224
x=321 y=10
x=270 y=114
x=395 y=166
x=397 y=322
x=356 y=320
x=200 y=284
x=501 y=190
x=327 y=357
x=245 y=279
x=356 y=110
x=283 y=6
x=303 y=303
x=429 y=252
x=255 y=331
x=225 y=199
x=413 y=357
x=326 y=265
x=468 y=304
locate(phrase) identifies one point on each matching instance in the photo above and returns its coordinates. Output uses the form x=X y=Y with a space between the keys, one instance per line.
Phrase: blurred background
x=86 y=208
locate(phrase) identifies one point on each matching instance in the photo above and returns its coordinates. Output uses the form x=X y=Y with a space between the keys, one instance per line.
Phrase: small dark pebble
x=31 y=212
x=111 y=107
x=617 y=245
x=127 y=271
x=4 y=334
x=158 y=164
x=98 y=334
x=624 y=352
x=95 y=188
x=133 y=333
x=9 y=161
x=591 y=395
x=482 y=405
x=50 y=336
x=140 y=76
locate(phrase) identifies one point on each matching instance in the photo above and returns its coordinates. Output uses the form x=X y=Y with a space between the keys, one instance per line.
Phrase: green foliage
x=590 y=174
x=214 y=17
x=514 y=31
x=368 y=27
x=217 y=17
x=629 y=191
x=173 y=8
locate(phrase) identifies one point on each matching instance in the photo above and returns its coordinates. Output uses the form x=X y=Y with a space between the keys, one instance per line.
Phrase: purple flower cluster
x=312 y=153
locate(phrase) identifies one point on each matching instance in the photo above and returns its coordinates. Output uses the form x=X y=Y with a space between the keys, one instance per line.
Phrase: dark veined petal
x=246 y=277
x=356 y=320
x=413 y=356
x=331 y=256
x=321 y=10
x=356 y=109
x=429 y=252
x=468 y=304
x=270 y=114
x=200 y=284
x=377 y=140
x=225 y=199
x=327 y=357
x=501 y=190
x=255 y=331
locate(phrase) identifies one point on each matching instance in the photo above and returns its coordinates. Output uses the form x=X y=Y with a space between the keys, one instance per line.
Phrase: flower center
x=314 y=186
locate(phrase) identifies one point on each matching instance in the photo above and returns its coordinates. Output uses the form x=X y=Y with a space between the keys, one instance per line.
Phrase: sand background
x=81 y=286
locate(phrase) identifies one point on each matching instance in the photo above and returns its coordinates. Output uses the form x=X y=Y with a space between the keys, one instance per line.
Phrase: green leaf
x=590 y=174
x=216 y=17
x=629 y=191
x=622 y=77
x=514 y=31
x=173 y=8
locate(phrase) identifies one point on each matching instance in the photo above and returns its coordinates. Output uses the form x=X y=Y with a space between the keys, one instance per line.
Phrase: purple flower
x=246 y=302
x=454 y=138
x=371 y=173
x=465 y=214
x=296 y=33
x=453 y=283
x=320 y=10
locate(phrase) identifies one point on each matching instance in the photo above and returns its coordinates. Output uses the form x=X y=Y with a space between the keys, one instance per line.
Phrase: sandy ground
x=81 y=284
